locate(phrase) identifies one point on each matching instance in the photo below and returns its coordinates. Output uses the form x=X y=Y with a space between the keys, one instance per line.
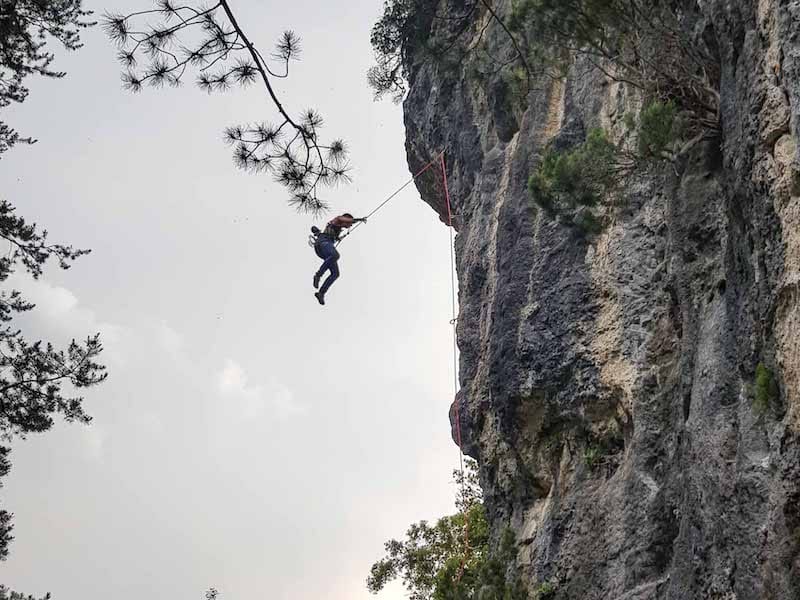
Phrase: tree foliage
x=583 y=175
x=210 y=43
x=766 y=389
x=396 y=37
x=34 y=375
x=7 y=594
x=26 y=27
x=590 y=173
x=653 y=46
x=402 y=36
x=659 y=130
x=545 y=591
x=5 y=517
x=650 y=45
x=37 y=380
x=434 y=561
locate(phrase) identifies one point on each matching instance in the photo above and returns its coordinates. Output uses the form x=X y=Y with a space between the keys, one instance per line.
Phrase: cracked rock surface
x=609 y=380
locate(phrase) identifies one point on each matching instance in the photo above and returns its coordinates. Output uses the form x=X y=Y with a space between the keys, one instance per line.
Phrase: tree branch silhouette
x=211 y=42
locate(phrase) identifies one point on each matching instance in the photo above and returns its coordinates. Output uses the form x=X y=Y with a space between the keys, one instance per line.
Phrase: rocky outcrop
x=609 y=380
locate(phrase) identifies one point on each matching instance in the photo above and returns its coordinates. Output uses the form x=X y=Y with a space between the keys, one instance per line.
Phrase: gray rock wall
x=608 y=380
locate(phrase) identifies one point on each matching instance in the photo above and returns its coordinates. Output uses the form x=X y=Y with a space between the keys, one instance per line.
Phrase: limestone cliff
x=609 y=380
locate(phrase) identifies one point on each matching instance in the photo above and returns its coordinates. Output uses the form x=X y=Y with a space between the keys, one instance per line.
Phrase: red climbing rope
x=457 y=399
x=440 y=158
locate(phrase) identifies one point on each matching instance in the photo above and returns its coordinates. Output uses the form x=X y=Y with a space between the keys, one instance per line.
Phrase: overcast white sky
x=246 y=438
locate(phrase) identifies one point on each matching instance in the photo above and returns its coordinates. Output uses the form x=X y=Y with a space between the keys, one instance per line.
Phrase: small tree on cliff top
x=395 y=38
x=402 y=34
x=652 y=46
x=649 y=45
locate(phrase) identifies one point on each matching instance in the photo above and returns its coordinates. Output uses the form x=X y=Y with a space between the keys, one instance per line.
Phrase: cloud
x=58 y=314
x=149 y=422
x=94 y=437
x=54 y=302
x=60 y=317
x=149 y=350
x=171 y=342
x=255 y=400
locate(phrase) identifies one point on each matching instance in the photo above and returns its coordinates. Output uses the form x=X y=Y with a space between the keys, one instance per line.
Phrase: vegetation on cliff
x=592 y=172
x=651 y=47
x=434 y=561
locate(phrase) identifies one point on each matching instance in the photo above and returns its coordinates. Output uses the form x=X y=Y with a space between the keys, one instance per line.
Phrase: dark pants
x=327 y=251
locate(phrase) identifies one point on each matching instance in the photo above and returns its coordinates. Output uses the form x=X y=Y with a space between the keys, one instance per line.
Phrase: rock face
x=609 y=380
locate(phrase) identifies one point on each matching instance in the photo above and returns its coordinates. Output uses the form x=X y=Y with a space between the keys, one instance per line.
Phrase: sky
x=246 y=438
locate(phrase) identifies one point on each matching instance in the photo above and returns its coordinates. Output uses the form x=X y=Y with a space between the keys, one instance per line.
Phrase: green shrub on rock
x=659 y=130
x=434 y=563
x=545 y=591
x=581 y=176
x=766 y=392
x=589 y=173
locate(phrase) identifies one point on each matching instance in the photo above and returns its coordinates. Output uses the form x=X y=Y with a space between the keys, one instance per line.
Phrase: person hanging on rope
x=325 y=247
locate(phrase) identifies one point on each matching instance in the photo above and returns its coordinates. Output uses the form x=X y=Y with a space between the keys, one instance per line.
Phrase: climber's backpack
x=314 y=237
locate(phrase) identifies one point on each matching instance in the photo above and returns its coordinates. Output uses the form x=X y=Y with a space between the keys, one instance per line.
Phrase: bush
x=659 y=130
x=766 y=389
x=434 y=563
x=589 y=173
x=603 y=445
x=545 y=591
x=582 y=176
x=592 y=456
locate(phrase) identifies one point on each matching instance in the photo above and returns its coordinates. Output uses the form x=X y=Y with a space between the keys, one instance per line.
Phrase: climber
x=325 y=247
